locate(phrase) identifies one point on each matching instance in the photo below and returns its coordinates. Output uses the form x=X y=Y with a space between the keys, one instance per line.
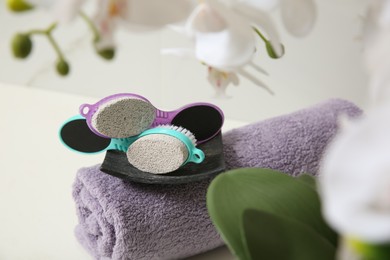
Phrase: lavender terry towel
x=124 y=220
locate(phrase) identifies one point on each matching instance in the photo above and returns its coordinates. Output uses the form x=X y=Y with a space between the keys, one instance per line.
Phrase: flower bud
x=21 y=45
x=108 y=53
x=19 y=5
x=271 y=52
x=62 y=67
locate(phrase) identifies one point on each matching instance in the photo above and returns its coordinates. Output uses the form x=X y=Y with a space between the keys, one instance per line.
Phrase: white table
x=37 y=212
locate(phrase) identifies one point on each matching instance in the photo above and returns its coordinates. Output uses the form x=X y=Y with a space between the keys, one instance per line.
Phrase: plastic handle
x=85 y=109
x=120 y=144
x=197 y=156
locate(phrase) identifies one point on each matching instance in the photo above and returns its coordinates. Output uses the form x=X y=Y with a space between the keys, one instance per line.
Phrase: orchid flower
x=224 y=40
x=355 y=179
x=220 y=80
x=224 y=34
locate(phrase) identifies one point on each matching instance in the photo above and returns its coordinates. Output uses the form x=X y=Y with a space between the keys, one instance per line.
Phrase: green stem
x=36 y=31
x=51 y=28
x=260 y=34
x=91 y=26
x=55 y=47
x=48 y=33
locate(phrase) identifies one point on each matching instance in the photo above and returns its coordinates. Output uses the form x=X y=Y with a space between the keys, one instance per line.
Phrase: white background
x=37 y=214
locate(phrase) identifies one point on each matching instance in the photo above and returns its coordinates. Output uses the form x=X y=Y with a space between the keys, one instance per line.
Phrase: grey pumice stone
x=157 y=153
x=123 y=117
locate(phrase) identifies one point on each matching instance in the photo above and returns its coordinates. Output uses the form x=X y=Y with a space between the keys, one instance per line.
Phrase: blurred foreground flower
x=355 y=180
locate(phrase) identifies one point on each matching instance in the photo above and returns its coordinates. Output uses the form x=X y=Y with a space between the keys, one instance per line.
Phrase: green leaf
x=307 y=179
x=268 y=236
x=230 y=193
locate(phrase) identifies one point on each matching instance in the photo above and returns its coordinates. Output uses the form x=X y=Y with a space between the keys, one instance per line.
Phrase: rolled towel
x=124 y=220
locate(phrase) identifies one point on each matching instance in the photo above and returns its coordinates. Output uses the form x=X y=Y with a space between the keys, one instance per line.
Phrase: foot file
x=125 y=115
x=163 y=149
x=77 y=136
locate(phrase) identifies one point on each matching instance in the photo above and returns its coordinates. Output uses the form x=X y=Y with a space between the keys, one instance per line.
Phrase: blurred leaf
x=307 y=179
x=230 y=193
x=268 y=236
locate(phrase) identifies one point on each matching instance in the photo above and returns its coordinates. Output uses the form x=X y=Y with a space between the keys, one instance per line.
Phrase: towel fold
x=125 y=220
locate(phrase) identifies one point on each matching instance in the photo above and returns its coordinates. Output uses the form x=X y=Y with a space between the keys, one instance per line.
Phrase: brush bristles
x=182 y=130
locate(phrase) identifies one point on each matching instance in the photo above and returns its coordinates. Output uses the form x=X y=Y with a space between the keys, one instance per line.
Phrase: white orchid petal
x=298 y=16
x=258 y=68
x=254 y=80
x=264 y=21
x=220 y=80
x=179 y=52
x=225 y=50
x=106 y=27
x=205 y=19
x=265 y=5
x=229 y=48
x=156 y=13
x=234 y=79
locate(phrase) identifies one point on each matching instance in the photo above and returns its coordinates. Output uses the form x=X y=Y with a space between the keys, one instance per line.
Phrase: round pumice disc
x=124 y=117
x=157 y=153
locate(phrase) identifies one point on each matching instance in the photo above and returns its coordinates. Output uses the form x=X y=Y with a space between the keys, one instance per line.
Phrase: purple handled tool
x=124 y=115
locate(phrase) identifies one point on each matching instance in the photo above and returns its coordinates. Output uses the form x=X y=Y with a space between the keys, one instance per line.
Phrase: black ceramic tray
x=115 y=163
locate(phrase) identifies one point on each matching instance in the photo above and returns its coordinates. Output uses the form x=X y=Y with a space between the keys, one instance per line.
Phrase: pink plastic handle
x=85 y=109
x=88 y=110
